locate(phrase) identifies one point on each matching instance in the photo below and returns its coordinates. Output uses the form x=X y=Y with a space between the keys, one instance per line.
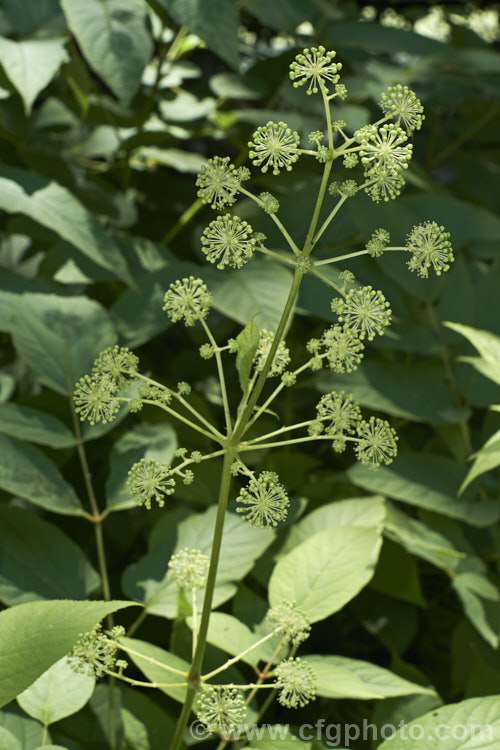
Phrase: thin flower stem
x=282 y=258
x=181 y=222
x=355 y=255
x=294 y=441
x=178 y=416
x=328 y=116
x=273 y=395
x=222 y=379
x=278 y=223
x=235 y=659
x=185 y=403
x=331 y=283
x=279 y=432
x=330 y=218
x=141 y=683
x=150 y=660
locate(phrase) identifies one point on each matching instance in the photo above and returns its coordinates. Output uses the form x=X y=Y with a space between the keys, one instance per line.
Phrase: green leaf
x=477 y=721
x=27 y=472
x=145 y=722
x=340 y=677
x=327 y=570
x=417 y=393
x=59 y=337
x=114 y=38
x=232 y=86
x=35 y=426
x=54 y=207
x=57 y=693
x=248 y=341
x=426 y=481
x=258 y=290
x=480 y=600
x=39 y=561
x=487 y=344
x=38 y=634
x=486 y=459
x=154 y=672
x=147 y=580
x=8 y=741
x=149 y=441
x=31 y=64
x=28 y=731
x=419 y=539
x=363 y=511
x=279 y=737
x=216 y=23
x=232 y=636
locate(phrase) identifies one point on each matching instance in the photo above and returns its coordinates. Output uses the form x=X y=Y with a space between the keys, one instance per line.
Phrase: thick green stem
x=195 y=671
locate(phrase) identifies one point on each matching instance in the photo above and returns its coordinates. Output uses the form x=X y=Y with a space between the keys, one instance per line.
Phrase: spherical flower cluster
x=347 y=188
x=281 y=358
x=269 y=203
x=296 y=682
x=94 y=654
x=386 y=147
x=384 y=183
x=364 y=311
x=290 y=621
x=265 y=501
x=228 y=241
x=156 y=393
x=401 y=103
x=274 y=146
x=339 y=413
x=148 y=480
x=95 y=399
x=350 y=160
x=118 y=363
x=219 y=181
x=189 y=569
x=315 y=67
x=316 y=137
x=377 y=442
x=341 y=91
x=187 y=299
x=343 y=349
x=221 y=709
x=430 y=247
x=378 y=242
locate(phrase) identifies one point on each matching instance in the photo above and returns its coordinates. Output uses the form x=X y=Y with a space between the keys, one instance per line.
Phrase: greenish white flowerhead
x=228 y=241
x=296 y=682
x=189 y=569
x=289 y=621
x=430 y=247
x=264 y=501
x=401 y=104
x=221 y=709
x=219 y=182
x=188 y=300
x=148 y=480
x=274 y=146
x=316 y=68
x=364 y=311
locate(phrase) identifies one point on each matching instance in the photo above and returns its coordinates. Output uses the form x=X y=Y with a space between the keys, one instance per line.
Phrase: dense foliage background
x=107 y=110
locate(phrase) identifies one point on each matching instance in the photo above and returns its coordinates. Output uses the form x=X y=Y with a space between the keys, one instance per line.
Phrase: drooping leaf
x=27 y=472
x=38 y=634
x=31 y=64
x=216 y=23
x=35 y=426
x=248 y=341
x=147 y=580
x=57 y=693
x=327 y=570
x=154 y=671
x=38 y=561
x=486 y=459
x=8 y=741
x=472 y=724
x=481 y=602
x=59 y=337
x=427 y=481
x=258 y=290
x=114 y=38
x=340 y=677
x=55 y=208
